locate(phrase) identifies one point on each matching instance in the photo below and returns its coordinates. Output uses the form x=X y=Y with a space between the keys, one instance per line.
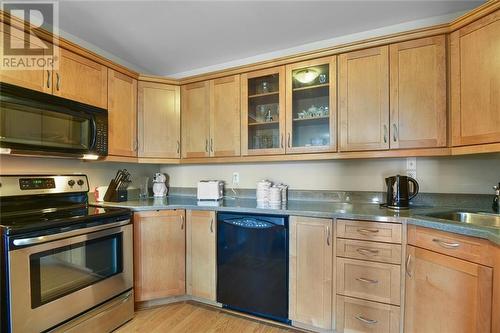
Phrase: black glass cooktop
x=26 y=221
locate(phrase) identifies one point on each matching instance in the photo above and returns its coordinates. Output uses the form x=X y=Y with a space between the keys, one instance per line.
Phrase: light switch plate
x=411 y=167
x=236 y=179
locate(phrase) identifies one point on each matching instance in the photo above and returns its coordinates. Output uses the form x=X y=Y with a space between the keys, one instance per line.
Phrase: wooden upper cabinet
x=311 y=106
x=418 y=93
x=225 y=116
x=159 y=120
x=311 y=265
x=159 y=254
x=39 y=79
x=81 y=79
x=446 y=295
x=122 y=114
x=201 y=256
x=475 y=82
x=195 y=120
x=263 y=112
x=364 y=99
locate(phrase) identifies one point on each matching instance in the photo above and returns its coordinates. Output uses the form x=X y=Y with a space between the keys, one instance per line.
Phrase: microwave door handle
x=94 y=134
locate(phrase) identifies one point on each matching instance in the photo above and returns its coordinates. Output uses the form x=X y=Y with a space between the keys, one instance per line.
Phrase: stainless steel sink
x=476 y=218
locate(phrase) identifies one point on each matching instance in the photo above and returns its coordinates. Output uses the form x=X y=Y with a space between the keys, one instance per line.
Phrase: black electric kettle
x=398 y=191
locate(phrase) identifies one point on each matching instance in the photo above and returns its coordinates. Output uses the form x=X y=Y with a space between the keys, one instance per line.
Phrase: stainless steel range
x=65 y=265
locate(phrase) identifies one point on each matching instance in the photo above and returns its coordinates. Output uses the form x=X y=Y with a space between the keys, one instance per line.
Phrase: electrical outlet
x=411 y=167
x=236 y=179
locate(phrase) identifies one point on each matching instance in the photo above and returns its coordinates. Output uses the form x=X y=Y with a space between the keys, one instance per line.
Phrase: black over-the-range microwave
x=36 y=123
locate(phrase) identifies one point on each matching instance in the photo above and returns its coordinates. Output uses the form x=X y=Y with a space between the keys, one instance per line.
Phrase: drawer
x=355 y=315
x=365 y=250
x=369 y=280
x=367 y=230
x=463 y=247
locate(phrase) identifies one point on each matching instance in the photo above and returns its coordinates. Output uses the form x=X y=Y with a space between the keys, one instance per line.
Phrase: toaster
x=210 y=190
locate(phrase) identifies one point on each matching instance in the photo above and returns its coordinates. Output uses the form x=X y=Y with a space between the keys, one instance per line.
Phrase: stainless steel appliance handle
x=365 y=320
x=67 y=234
x=445 y=244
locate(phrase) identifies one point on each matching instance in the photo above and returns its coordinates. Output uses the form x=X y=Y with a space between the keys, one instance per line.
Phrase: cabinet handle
x=446 y=245
x=385 y=133
x=48 y=78
x=368 y=231
x=58 y=81
x=367 y=280
x=407 y=266
x=178 y=146
x=366 y=320
x=206 y=145
x=212 y=225
x=288 y=140
x=211 y=145
x=395 y=132
x=367 y=252
x=328 y=235
x=182 y=222
x=282 y=141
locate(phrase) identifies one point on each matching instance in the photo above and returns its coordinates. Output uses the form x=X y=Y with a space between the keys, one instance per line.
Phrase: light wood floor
x=194 y=318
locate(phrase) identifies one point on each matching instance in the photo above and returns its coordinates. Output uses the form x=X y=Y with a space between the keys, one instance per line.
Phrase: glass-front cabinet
x=311 y=105
x=263 y=112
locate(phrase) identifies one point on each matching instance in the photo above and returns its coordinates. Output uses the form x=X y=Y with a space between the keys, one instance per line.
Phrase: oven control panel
x=36 y=183
x=42 y=184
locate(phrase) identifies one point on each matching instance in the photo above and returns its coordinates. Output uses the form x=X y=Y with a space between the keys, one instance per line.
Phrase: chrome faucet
x=496 y=199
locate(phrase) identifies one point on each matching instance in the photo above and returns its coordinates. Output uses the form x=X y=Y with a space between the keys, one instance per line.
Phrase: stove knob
x=71 y=182
x=80 y=182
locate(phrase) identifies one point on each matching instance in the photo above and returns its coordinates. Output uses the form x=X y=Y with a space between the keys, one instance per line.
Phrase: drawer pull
x=368 y=231
x=365 y=280
x=367 y=252
x=446 y=245
x=366 y=320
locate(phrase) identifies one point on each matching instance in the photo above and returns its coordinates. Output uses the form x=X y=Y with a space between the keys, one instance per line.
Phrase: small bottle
x=496 y=199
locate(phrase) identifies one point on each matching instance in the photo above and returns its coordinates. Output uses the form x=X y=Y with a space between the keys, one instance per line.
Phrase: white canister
x=99 y=193
x=275 y=195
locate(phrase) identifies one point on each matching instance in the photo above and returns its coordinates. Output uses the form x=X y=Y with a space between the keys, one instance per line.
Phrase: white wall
x=472 y=174
x=99 y=173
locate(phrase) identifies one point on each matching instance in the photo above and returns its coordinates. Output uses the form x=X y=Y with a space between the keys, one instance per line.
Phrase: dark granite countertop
x=325 y=209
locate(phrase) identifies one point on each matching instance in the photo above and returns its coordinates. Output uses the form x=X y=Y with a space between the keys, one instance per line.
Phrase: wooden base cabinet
x=159 y=254
x=311 y=260
x=446 y=294
x=201 y=255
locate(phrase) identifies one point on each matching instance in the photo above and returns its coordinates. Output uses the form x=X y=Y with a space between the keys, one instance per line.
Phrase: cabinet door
x=364 y=99
x=159 y=120
x=201 y=263
x=195 y=120
x=445 y=294
x=311 y=252
x=225 y=116
x=81 y=79
x=263 y=112
x=311 y=105
x=159 y=254
x=122 y=114
x=418 y=93
x=39 y=79
x=475 y=82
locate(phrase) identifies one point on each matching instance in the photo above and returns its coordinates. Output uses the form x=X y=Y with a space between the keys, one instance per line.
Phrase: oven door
x=57 y=280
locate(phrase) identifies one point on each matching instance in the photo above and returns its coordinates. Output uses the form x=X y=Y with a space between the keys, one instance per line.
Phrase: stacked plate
x=263 y=189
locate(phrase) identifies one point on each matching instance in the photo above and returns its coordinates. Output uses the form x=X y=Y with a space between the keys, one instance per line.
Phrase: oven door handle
x=67 y=234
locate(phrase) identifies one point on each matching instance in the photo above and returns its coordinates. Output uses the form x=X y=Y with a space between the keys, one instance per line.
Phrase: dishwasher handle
x=248 y=222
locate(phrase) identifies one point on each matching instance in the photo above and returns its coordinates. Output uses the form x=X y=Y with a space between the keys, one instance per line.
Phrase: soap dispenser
x=496 y=199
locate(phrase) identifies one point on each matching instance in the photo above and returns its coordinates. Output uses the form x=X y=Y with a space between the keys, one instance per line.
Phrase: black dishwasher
x=252 y=264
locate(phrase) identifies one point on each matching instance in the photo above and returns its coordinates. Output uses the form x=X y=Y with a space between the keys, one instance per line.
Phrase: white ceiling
x=174 y=37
